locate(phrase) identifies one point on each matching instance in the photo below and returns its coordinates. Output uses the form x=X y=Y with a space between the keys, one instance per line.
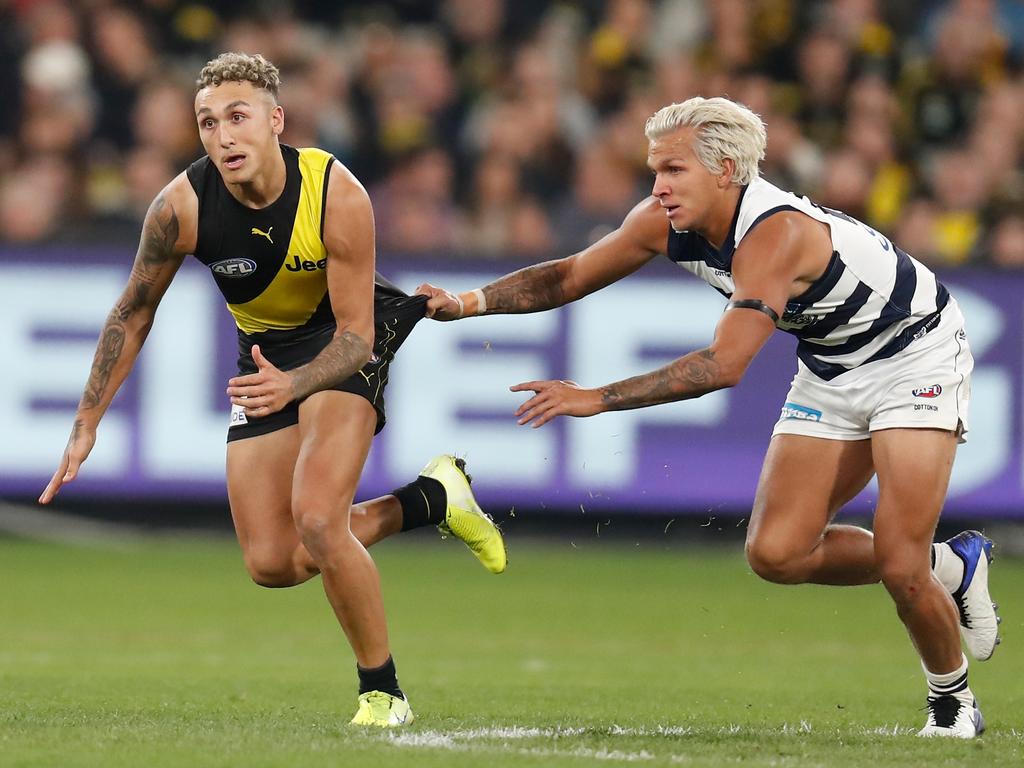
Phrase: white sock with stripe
x=951 y=683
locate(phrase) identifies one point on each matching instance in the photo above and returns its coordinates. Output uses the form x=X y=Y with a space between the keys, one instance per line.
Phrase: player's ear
x=277 y=119
x=728 y=171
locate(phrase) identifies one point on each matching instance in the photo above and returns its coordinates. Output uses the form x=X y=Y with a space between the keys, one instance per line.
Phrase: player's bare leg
x=337 y=429
x=259 y=479
x=374 y=520
x=913 y=467
x=913 y=473
x=804 y=482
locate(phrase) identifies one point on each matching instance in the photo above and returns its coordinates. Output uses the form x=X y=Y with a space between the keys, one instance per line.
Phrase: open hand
x=264 y=392
x=556 y=398
x=441 y=304
x=80 y=444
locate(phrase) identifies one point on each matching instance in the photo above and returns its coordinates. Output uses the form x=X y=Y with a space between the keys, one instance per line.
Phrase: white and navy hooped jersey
x=871 y=302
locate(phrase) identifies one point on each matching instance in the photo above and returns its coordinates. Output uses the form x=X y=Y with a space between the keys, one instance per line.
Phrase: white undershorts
x=926 y=386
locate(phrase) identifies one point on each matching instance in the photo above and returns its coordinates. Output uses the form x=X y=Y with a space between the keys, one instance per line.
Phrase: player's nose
x=225 y=137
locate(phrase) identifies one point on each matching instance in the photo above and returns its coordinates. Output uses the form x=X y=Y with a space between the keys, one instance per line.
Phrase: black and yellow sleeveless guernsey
x=271 y=265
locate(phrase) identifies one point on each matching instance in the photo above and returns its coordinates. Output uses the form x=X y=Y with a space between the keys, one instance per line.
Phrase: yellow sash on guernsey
x=301 y=283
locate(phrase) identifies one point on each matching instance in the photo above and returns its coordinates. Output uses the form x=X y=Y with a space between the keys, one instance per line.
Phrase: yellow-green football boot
x=383 y=710
x=464 y=519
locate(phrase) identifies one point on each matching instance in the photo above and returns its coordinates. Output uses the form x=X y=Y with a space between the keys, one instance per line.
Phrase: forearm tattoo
x=108 y=352
x=690 y=376
x=532 y=289
x=156 y=248
x=345 y=355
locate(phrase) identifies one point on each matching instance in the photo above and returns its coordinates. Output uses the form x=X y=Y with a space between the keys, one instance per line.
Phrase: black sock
x=423 y=501
x=382 y=678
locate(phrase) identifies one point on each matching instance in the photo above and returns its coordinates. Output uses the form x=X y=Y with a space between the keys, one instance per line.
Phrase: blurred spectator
x=124 y=60
x=474 y=30
x=873 y=130
x=846 y=183
x=414 y=207
x=1006 y=245
x=603 y=190
x=916 y=231
x=959 y=185
x=163 y=119
x=615 y=53
x=32 y=201
x=824 y=71
x=500 y=219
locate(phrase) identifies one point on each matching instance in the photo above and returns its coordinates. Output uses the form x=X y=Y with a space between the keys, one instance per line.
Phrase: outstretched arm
x=161 y=250
x=349 y=239
x=738 y=338
x=773 y=263
x=642 y=235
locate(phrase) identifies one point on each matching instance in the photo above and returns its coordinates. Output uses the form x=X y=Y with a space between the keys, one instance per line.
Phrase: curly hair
x=240 y=68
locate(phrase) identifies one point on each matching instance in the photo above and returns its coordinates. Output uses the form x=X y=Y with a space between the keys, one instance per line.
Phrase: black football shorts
x=395 y=315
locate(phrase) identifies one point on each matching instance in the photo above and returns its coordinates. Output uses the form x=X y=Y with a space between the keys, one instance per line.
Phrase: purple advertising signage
x=163 y=437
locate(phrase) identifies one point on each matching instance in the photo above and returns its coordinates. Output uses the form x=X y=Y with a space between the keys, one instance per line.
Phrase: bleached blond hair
x=722 y=129
x=240 y=68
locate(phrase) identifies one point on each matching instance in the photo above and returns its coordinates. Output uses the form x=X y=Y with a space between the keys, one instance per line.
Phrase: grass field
x=163 y=654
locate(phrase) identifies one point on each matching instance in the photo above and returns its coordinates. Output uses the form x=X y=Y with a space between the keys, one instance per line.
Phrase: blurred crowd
x=491 y=127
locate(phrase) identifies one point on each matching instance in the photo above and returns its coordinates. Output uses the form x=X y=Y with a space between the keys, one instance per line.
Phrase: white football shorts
x=926 y=386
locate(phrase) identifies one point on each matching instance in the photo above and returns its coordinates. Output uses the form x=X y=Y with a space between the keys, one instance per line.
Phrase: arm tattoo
x=159 y=234
x=532 y=289
x=135 y=296
x=345 y=355
x=108 y=352
x=156 y=248
x=690 y=376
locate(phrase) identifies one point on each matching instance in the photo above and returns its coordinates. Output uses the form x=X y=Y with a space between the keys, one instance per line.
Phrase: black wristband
x=757 y=304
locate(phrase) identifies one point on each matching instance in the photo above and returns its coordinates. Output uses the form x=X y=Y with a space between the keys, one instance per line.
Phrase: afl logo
x=933 y=391
x=233 y=267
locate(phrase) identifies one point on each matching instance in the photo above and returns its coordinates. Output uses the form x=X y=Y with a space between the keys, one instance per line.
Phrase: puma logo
x=261 y=233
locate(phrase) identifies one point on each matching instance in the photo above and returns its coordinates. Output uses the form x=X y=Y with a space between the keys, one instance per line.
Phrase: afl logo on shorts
x=933 y=391
x=233 y=267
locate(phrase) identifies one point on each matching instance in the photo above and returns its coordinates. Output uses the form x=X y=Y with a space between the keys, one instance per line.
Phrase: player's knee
x=321 y=522
x=904 y=580
x=772 y=561
x=270 y=570
x=312 y=526
x=317 y=524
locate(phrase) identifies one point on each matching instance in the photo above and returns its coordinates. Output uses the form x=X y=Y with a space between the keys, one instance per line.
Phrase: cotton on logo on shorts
x=933 y=391
x=802 y=412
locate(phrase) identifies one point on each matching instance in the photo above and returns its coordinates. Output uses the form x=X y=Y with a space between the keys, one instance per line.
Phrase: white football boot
x=953 y=716
x=979 y=622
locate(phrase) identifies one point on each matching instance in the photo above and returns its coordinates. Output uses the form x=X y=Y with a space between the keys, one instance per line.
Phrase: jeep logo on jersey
x=933 y=391
x=233 y=267
x=305 y=265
